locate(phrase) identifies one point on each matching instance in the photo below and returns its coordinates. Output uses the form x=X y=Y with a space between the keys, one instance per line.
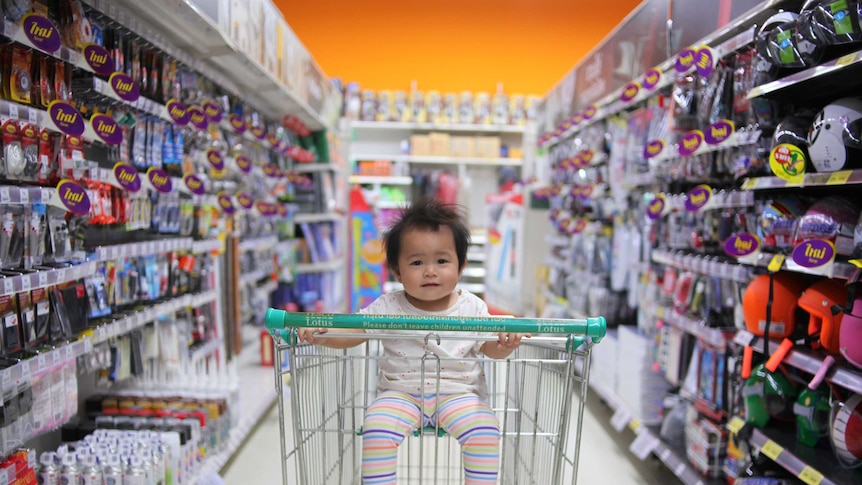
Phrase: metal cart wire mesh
x=537 y=394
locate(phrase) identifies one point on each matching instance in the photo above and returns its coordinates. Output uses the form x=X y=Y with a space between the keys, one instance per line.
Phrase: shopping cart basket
x=538 y=395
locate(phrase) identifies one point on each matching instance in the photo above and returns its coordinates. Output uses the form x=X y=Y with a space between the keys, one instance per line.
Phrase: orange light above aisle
x=451 y=45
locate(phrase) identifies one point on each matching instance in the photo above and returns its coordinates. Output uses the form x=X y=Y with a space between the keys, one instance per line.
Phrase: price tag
x=102 y=334
x=811 y=476
x=56 y=358
x=13 y=111
x=41 y=362
x=620 y=419
x=61 y=275
x=845 y=60
x=33 y=116
x=88 y=346
x=25 y=368
x=43 y=279
x=46 y=195
x=644 y=445
x=635 y=424
x=4 y=195
x=771 y=449
x=776 y=263
x=24 y=194
x=743 y=337
x=8 y=286
x=115 y=252
x=839 y=178
x=679 y=470
x=70 y=352
x=664 y=454
x=25 y=282
x=4 y=475
x=735 y=424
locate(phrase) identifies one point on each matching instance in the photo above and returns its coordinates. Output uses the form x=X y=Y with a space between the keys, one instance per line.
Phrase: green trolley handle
x=279 y=320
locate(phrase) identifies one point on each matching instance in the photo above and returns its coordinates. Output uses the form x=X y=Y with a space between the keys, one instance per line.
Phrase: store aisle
x=605 y=458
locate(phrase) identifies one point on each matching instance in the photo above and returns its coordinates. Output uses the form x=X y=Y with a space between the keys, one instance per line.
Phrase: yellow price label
x=735 y=424
x=776 y=263
x=659 y=312
x=749 y=184
x=839 y=178
x=844 y=60
x=635 y=424
x=856 y=262
x=772 y=450
x=811 y=476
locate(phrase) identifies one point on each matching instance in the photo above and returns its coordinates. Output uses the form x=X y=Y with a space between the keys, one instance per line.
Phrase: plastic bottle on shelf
x=135 y=474
x=49 y=472
x=91 y=474
x=70 y=474
x=112 y=472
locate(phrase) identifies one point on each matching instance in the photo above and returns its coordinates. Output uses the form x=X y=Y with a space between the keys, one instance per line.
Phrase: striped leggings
x=394 y=415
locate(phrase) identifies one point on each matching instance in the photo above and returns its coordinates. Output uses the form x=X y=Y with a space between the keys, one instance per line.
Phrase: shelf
x=835 y=71
x=13 y=31
x=207 y=246
x=258 y=244
x=131 y=250
x=254 y=276
x=315 y=167
x=814 y=466
x=473 y=273
x=46 y=278
x=391 y=204
x=380 y=179
x=843 y=177
x=495 y=162
x=22 y=195
x=142 y=104
x=409 y=127
x=558 y=241
x=26 y=368
x=205 y=350
x=713 y=336
x=325 y=267
x=708 y=265
x=310 y=218
x=268 y=287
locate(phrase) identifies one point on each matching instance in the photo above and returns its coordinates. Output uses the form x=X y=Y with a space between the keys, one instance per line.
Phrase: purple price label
x=160 y=180
x=705 y=61
x=127 y=177
x=741 y=244
x=66 y=118
x=697 y=198
x=630 y=91
x=651 y=79
x=266 y=209
x=273 y=140
x=212 y=111
x=107 y=129
x=259 y=132
x=99 y=59
x=194 y=184
x=125 y=87
x=690 y=142
x=41 y=32
x=719 y=132
x=655 y=209
x=685 y=59
x=814 y=253
x=198 y=118
x=73 y=197
x=215 y=159
x=178 y=112
x=237 y=123
x=244 y=163
x=245 y=201
x=653 y=148
x=225 y=203
x=589 y=112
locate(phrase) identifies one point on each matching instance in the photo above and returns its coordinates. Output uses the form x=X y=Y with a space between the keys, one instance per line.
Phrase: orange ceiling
x=452 y=45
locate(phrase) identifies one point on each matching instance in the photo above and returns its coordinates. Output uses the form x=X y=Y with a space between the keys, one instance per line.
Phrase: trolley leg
x=585 y=373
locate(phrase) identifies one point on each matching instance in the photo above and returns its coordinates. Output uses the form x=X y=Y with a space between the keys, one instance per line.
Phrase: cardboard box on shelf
x=420 y=145
x=488 y=146
x=516 y=152
x=440 y=144
x=463 y=146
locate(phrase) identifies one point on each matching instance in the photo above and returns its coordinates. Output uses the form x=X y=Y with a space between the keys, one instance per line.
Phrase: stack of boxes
x=437 y=144
x=639 y=383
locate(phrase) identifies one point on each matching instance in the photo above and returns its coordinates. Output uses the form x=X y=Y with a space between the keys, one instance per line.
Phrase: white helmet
x=834 y=137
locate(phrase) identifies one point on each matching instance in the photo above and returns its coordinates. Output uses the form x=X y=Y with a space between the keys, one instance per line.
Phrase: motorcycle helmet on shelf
x=835 y=136
x=768 y=395
x=778 y=220
x=787 y=287
x=845 y=431
x=823 y=301
x=850 y=335
x=812 y=409
x=831 y=22
x=780 y=43
x=832 y=218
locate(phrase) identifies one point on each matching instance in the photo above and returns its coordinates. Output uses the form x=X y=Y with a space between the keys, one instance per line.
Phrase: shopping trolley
x=538 y=395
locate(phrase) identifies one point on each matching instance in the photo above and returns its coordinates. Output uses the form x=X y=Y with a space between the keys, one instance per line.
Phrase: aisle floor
x=605 y=458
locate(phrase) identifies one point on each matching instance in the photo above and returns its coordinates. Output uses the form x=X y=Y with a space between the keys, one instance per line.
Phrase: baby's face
x=428 y=268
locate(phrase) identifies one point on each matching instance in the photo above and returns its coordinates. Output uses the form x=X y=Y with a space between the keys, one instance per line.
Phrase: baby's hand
x=307 y=334
x=510 y=341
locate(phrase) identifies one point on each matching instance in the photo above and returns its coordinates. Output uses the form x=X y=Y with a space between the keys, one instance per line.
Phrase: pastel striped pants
x=466 y=417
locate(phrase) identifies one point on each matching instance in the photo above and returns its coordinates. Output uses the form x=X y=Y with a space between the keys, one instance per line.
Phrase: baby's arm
x=505 y=345
x=307 y=335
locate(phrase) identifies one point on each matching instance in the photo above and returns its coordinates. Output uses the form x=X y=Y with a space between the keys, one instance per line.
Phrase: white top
x=456 y=377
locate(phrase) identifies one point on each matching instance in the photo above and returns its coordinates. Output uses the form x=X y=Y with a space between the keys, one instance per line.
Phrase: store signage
x=41 y=32
x=651 y=79
x=106 y=129
x=225 y=203
x=160 y=180
x=245 y=201
x=212 y=111
x=586 y=191
x=719 y=132
x=272 y=170
x=215 y=159
x=630 y=91
x=71 y=196
x=657 y=207
x=698 y=198
x=814 y=253
x=237 y=123
x=125 y=88
x=127 y=177
x=198 y=118
x=259 y=132
x=244 y=163
x=787 y=162
x=579 y=226
x=273 y=140
x=178 y=112
x=194 y=183
x=99 y=59
x=266 y=209
x=704 y=61
x=653 y=149
x=690 y=142
x=590 y=111
x=65 y=118
x=282 y=210
x=741 y=245
x=685 y=59
x=578 y=118
x=587 y=157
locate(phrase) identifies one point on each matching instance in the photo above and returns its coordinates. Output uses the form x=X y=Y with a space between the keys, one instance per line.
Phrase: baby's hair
x=427 y=214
